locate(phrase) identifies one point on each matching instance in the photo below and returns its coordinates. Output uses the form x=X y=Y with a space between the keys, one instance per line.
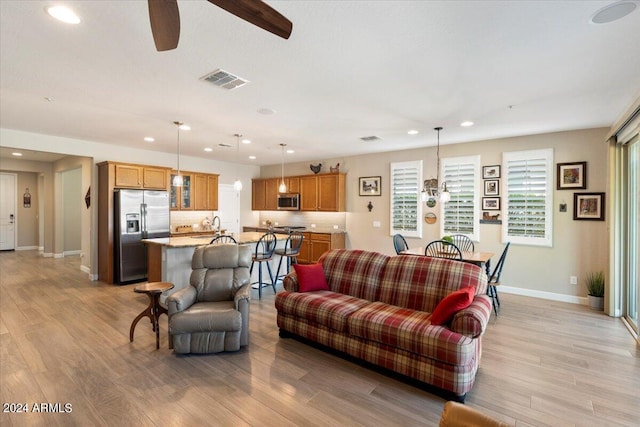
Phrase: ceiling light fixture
x=613 y=12
x=466 y=124
x=149 y=138
x=208 y=149
x=15 y=153
x=237 y=184
x=290 y=151
x=246 y=141
x=283 y=187
x=252 y=157
x=177 y=179
x=413 y=132
x=64 y=14
x=431 y=188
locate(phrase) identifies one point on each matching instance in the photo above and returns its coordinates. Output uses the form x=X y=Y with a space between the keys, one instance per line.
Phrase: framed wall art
x=588 y=206
x=490 y=172
x=491 y=203
x=492 y=187
x=370 y=185
x=572 y=176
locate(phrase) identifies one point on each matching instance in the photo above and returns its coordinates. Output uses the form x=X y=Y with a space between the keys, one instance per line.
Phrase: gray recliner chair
x=212 y=314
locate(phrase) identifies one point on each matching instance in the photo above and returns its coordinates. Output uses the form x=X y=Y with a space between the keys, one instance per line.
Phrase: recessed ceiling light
x=185 y=127
x=149 y=138
x=290 y=151
x=613 y=12
x=16 y=154
x=208 y=149
x=266 y=111
x=466 y=124
x=252 y=157
x=246 y=141
x=64 y=14
x=413 y=132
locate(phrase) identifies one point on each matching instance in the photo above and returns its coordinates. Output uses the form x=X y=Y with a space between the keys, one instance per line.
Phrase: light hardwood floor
x=65 y=339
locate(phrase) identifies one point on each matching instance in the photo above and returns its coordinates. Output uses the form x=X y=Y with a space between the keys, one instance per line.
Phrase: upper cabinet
x=324 y=192
x=199 y=191
x=138 y=176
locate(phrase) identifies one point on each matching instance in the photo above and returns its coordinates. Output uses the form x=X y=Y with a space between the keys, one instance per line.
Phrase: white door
x=7 y=211
x=229 y=208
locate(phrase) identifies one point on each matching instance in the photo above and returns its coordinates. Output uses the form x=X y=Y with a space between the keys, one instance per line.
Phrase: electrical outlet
x=573 y=280
x=335 y=227
x=313 y=226
x=376 y=224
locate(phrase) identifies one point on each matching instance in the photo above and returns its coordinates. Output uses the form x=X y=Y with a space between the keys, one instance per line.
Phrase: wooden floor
x=65 y=340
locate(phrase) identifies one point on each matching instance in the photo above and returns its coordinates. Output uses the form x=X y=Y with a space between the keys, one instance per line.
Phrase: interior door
x=229 y=208
x=8 y=211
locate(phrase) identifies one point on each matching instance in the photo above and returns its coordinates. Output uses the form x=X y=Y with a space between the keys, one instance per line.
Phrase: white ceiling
x=350 y=69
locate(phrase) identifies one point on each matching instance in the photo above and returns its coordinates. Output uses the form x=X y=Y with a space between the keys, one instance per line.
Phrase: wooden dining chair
x=399 y=243
x=443 y=249
x=464 y=243
x=494 y=280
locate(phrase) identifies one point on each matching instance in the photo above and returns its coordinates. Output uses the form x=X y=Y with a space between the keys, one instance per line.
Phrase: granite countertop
x=324 y=230
x=192 y=241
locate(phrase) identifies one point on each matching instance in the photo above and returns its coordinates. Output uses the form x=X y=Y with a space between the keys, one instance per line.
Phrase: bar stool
x=264 y=253
x=290 y=251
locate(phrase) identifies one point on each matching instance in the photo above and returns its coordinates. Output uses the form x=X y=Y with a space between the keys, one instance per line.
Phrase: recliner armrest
x=244 y=293
x=181 y=300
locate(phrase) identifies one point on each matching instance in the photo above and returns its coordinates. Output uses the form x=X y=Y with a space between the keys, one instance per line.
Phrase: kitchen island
x=169 y=258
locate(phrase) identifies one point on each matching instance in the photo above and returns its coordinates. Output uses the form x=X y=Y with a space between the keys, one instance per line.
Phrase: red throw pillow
x=451 y=304
x=310 y=277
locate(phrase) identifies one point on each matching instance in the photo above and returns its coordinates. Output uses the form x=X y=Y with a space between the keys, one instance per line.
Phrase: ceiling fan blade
x=165 y=23
x=258 y=13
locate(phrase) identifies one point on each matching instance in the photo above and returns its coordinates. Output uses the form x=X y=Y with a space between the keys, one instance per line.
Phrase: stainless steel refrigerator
x=139 y=214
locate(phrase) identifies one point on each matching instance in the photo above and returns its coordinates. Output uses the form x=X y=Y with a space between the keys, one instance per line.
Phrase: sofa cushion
x=412 y=331
x=419 y=282
x=310 y=277
x=354 y=272
x=326 y=308
x=451 y=304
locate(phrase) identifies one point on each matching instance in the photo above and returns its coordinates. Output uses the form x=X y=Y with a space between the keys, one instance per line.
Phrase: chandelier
x=430 y=188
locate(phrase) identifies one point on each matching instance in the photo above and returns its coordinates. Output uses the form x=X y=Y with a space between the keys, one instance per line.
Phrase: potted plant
x=595 y=289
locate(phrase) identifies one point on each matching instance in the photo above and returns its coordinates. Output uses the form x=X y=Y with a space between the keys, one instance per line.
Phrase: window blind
x=528 y=208
x=461 y=214
x=406 y=178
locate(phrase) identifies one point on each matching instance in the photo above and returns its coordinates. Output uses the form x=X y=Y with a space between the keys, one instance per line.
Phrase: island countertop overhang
x=193 y=241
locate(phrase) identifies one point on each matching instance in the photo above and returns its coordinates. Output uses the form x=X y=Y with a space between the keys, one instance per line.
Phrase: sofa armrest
x=242 y=296
x=290 y=282
x=181 y=300
x=472 y=321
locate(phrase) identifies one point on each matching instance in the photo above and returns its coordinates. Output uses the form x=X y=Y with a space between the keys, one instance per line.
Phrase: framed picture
x=492 y=187
x=491 y=203
x=370 y=185
x=572 y=176
x=489 y=172
x=588 y=206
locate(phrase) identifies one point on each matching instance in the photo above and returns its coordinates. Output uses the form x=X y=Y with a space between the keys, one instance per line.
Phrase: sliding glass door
x=632 y=295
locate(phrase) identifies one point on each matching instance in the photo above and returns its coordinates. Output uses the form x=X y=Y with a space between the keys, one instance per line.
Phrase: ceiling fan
x=165 y=19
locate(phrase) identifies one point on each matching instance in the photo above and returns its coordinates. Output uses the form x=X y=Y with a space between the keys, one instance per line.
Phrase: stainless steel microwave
x=288 y=201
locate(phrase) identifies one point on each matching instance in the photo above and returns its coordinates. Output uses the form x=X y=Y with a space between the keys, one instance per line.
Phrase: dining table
x=481 y=259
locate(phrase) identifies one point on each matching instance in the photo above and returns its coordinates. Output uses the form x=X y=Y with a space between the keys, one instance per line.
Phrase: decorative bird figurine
x=335 y=169
x=315 y=168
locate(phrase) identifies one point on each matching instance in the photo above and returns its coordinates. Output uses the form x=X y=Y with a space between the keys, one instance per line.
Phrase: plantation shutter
x=406 y=178
x=461 y=215
x=528 y=209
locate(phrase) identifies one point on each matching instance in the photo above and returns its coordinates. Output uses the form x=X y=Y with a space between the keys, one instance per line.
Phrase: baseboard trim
x=47 y=255
x=26 y=248
x=57 y=256
x=544 y=295
x=71 y=253
x=87 y=269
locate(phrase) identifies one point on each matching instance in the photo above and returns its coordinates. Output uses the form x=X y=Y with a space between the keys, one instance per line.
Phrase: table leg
x=147 y=312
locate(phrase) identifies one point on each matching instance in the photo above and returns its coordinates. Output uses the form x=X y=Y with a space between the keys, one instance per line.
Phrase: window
x=461 y=215
x=528 y=197
x=406 y=210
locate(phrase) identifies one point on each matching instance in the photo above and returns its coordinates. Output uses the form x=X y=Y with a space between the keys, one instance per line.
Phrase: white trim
x=26 y=248
x=543 y=295
x=47 y=255
x=71 y=253
x=58 y=255
x=477 y=191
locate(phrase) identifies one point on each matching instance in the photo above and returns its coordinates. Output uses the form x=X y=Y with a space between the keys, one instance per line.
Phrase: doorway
x=229 y=208
x=8 y=182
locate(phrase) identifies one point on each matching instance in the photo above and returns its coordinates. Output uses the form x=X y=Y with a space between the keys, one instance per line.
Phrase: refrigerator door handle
x=143 y=217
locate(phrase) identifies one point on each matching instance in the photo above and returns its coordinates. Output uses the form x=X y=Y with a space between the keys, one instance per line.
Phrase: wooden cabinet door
x=128 y=176
x=174 y=195
x=212 y=188
x=304 y=257
x=258 y=194
x=200 y=191
x=331 y=193
x=271 y=194
x=308 y=193
x=320 y=243
x=293 y=184
x=154 y=178
x=186 y=192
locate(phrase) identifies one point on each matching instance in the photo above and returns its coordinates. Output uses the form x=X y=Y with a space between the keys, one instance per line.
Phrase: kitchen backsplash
x=322 y=220
x=179 y=218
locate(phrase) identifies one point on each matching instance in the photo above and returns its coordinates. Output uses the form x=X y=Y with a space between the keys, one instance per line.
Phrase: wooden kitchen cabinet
x=212 y=190
x=331 y=192
x=181 y=198
x=199 y=192
x=308 y=193
x=155 y=178
x=315 y=244
x=271 y=194
x=324 y=192
x=138 y=176
x=258 y=194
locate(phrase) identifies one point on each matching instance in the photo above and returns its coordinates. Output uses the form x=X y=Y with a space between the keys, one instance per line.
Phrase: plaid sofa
x=378 y=310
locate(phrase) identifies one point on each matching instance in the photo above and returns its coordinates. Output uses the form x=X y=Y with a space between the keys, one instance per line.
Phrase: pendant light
x=443 y=195
x=283 y=187
x=177 y=179
x=237 y=184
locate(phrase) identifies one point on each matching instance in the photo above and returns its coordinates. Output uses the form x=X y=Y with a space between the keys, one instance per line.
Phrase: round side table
x=154 y=309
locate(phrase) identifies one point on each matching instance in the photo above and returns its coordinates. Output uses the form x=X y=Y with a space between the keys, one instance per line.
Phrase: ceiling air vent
x=224 y=79
x=371 y=138
x=224 y=145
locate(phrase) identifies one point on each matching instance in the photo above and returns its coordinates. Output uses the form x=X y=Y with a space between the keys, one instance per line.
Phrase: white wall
x=73 y=201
